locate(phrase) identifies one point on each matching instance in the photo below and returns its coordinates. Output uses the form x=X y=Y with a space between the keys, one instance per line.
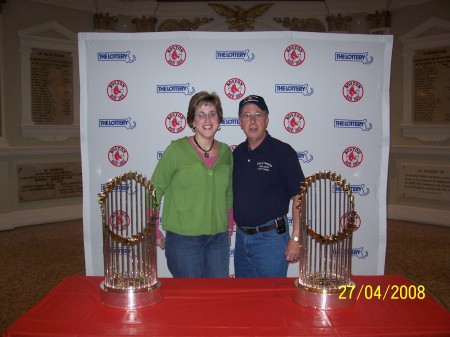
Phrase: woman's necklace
x=205 y=152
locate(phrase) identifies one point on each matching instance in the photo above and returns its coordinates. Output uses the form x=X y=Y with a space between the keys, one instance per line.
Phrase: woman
x=194 y=176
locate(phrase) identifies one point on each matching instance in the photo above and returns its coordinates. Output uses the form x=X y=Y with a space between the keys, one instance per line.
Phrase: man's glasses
x=257 y=115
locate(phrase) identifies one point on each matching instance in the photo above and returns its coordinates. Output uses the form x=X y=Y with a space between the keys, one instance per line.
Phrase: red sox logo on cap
x=254 y=99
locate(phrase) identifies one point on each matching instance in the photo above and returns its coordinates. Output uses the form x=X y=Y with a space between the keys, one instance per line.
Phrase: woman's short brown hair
x=203 y=98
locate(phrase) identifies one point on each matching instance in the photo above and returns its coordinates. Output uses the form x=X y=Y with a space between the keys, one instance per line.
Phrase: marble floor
x=34 y=259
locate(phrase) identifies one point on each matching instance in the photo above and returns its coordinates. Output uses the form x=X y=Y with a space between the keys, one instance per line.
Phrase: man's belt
x=257 y=229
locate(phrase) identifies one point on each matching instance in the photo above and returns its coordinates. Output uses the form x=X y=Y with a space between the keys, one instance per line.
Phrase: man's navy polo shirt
x=264 y=181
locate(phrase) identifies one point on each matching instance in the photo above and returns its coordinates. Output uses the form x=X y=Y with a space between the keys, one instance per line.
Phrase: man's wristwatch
x=297 y=240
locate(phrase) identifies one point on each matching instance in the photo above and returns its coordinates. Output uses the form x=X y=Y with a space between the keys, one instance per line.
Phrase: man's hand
x=292 y=251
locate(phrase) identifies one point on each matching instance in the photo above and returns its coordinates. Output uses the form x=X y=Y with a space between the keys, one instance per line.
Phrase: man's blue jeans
x=261 y=254
x=198 y=256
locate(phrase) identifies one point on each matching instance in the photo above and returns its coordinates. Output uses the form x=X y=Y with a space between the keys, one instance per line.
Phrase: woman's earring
x=193 y=129
x=219 y=128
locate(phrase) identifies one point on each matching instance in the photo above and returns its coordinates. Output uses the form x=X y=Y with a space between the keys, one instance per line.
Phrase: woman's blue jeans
x=198 y=256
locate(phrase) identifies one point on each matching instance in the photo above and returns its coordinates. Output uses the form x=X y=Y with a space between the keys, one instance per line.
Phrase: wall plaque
x=424 y=182
x=49 y=181
x=51 y=87
x=432 y=86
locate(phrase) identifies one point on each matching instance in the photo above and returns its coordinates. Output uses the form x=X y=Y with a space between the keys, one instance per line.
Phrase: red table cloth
x=233 y=307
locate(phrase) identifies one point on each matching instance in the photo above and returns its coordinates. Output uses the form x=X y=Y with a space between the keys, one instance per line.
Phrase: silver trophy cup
x=327 y=216
x=127 y=206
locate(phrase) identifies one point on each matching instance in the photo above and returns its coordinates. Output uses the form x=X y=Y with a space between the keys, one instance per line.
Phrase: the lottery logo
x=360 y=253
x=175 y=55
x=361 y=189
x=230 y=121
x=119 y=220
x=294 y=55
x=305 y=156
x=235 y=54
x=353 y=123
x=175 y=88
x=118 y=155
x=294 y=88
x=175 y=122
x=117 y=90
x=353 y=57
x=126 y=123
x=294 y=122
x=123 y=187
x=234 y=88
x=352 y=156
x=116 y=56
x=353 y=91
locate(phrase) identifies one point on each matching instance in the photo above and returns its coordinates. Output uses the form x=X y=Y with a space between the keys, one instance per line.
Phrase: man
x=266 y=176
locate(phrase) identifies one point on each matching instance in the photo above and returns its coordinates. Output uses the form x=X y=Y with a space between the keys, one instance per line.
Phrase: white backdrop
x=328 y=96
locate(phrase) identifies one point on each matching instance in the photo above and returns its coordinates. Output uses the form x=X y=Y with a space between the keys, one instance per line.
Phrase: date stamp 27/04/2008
x=389 y=292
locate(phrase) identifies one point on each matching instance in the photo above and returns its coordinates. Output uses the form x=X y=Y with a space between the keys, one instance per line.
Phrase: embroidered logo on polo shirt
x=263 y=166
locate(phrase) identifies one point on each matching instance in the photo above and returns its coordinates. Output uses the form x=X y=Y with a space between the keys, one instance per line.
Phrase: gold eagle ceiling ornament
x=239 y=18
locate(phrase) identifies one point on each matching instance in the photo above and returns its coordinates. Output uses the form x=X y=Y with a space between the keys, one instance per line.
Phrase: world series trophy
x=127 y=206
x=327 y=216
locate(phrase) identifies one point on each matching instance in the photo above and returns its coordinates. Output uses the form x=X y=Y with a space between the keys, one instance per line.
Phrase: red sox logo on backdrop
x=119 y=220
x=175 y=122
x=294 y=55
x=353 y=91
x=344 y=220
x=175 y=55
x=118 y=155
x=294 y=122
x=117 y=90
x=352 y=156
x=234 y=88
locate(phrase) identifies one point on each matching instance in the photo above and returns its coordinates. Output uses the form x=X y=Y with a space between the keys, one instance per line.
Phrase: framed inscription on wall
x=50 y=83
x=49 y=181
x=432 y=86
x=426 y=82
x=51 y=87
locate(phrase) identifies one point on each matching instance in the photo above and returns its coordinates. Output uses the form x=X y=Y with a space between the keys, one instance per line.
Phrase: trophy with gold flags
x=327 y=216
x=127 y=206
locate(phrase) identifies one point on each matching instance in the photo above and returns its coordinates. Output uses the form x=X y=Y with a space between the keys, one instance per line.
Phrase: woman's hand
x=161 y=242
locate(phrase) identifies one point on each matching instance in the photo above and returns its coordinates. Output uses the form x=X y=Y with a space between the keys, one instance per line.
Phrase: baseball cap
x=254 y=99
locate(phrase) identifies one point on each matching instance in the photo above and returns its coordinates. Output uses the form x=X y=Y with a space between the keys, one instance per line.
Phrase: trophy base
x=323 y=300
x=130 y=299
